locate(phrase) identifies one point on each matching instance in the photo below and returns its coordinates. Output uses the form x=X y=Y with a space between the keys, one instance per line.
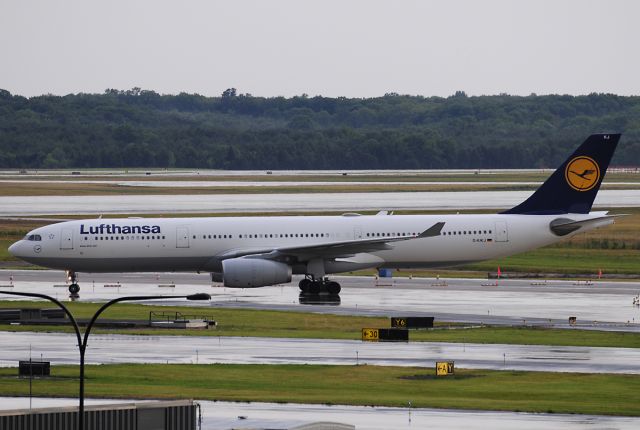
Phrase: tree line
x=141 y=128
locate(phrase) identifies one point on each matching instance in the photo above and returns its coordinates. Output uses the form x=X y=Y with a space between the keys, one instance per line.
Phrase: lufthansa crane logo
x=582 y=173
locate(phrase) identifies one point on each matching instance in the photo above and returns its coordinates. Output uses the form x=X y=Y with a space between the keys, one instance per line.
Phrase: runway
x=60 y=348
x=471 y=300
x=277 y=202
x=229 y=415
x=602 y=305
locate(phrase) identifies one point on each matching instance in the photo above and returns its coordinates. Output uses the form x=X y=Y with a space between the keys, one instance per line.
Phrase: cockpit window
x=34 y=237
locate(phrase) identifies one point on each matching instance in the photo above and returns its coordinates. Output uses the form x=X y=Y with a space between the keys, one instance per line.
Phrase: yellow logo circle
x=582 y=173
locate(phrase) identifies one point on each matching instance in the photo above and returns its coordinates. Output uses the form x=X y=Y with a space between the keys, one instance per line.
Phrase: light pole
x=82 y=341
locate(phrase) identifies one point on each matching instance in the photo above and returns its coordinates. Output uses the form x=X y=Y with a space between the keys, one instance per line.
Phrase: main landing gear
x=310 y=285
x=74 y=288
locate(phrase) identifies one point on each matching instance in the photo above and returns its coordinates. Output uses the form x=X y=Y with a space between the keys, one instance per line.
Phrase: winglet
x=434 y=230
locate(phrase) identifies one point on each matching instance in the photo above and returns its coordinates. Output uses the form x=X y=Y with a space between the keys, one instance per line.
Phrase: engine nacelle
x=254 y=272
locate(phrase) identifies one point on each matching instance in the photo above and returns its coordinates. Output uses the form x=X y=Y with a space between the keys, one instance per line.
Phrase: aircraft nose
x=13 y=249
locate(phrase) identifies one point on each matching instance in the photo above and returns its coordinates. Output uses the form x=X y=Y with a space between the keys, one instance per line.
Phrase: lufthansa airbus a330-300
x=247 y=252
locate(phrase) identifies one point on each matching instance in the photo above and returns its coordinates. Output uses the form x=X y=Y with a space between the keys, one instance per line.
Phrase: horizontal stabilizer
x=564 y=226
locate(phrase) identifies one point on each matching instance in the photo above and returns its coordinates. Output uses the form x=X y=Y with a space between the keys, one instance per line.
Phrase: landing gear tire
x=305 y=285
x=332 y=288
x=74 y=289
x=316 y=287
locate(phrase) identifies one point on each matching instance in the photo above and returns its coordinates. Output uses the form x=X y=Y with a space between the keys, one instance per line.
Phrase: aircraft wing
x=330 y=249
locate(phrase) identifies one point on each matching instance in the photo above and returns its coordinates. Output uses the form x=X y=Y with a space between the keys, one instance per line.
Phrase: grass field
x=77 y=189
x=243 y=322
x=568 y=261
x=600 y=394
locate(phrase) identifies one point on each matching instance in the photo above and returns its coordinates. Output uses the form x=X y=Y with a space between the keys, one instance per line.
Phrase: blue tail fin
x=573 y=187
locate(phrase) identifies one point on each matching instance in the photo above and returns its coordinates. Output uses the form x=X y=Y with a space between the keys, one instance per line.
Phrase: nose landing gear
x=74 y=288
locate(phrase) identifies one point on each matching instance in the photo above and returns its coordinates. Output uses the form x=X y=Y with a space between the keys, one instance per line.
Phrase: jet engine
x=254 y=272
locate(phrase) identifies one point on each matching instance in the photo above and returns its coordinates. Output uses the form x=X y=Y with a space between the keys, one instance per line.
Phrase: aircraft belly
x=123 y=264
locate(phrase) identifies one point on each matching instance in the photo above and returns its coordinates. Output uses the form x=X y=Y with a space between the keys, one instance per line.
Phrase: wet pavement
x=602 y=305
x=60 y=348
x=229 y=415
x=293 y=202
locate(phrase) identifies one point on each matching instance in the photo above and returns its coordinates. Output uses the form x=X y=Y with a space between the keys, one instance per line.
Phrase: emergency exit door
x=502 y=234
x=182 y=237
x=66 y=239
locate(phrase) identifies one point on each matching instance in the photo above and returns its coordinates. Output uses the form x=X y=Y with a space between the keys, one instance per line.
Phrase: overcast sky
x=361 y=48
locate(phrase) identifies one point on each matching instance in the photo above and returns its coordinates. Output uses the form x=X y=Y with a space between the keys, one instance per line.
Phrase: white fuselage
x=200 y=244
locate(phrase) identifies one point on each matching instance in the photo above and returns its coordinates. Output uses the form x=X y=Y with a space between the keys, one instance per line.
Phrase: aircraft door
x=357 y=233
x=66 y=239
x=182 y=237
x=502 y=234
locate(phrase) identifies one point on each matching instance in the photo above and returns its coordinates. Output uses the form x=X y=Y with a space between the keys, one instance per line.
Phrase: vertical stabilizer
x=574 y=185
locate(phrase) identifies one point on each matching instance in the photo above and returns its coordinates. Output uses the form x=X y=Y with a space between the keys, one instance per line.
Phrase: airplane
x=248 y=252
